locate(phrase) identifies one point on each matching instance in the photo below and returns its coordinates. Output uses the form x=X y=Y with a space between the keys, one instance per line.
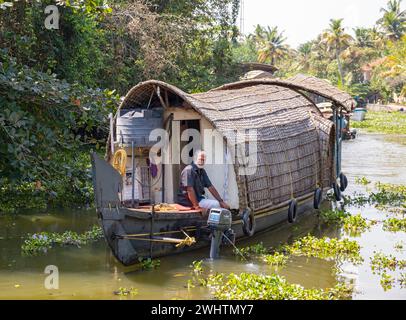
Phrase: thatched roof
x=294 y=141
x=250 y=66
x=305 y=84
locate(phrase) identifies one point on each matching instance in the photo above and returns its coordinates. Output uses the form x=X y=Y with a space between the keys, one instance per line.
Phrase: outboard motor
x=219 y=222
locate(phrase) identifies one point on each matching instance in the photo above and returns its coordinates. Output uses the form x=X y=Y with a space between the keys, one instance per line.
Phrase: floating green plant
x=126 y=292
x=385 y=195
x=149 y=264
x=387 y=281
x=380 y=263
x=255 y=249
x=399 y=246
x=325 y=248
x=383 y=122
x=402 y=280
x=363 y=181
x=275 y=259
x=394 y=225
x=333 y=216
x=248 y=286
x=355 y=225
x=41 y=242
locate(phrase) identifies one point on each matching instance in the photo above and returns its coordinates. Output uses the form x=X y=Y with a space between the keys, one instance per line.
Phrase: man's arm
x=216 y=195
x=192 y=197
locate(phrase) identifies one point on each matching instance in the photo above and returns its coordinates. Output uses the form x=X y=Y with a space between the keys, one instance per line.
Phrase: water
x=91 y=272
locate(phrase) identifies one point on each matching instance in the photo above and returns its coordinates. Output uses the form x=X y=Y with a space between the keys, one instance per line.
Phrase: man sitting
x=193 y=181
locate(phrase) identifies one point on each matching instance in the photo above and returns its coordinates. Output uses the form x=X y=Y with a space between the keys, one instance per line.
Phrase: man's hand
x=224 y=205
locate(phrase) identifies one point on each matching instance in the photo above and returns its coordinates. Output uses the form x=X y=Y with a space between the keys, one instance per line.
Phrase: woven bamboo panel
x=295 y=143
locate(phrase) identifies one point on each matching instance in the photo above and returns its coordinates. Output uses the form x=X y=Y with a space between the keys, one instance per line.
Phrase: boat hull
x=120 y=223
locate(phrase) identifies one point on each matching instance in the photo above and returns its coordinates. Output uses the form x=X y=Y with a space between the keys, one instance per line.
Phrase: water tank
x=136 y=125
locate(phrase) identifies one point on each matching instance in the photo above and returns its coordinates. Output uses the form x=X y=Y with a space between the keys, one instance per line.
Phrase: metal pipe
x=132 y=174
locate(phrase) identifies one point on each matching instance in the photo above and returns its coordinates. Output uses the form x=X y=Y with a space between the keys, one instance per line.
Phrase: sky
x=304 y=20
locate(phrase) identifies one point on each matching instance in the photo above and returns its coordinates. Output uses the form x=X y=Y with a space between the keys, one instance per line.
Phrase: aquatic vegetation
x=394 y=225
x=260 y=252
x=355 y=224
x=383 y=122
x=387 y=281
x=41 y=242
x=197 y=267
x=363 y=181
x=352 y=224
x=333 y=216
x=149 y=264
x=197 y=275
x=248 y=286
x=386 y=195
x=325 y=248
x=399 y=246
x=402 y=280
x=126 y=292
x=380 y=263
x=275 y=259
x=255 y=249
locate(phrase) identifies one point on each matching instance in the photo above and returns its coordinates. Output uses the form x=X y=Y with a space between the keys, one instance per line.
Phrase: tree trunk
x=340 y=68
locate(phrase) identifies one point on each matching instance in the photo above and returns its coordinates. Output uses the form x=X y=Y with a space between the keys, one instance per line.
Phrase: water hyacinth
x=394 y=225
x=381 y=263
x=42 y=242
x=326 y=248
x=356 y=224
x=248 y=286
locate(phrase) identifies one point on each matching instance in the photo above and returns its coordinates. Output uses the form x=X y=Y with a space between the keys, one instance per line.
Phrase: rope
x=163 y=232
x=188 y=241
x=120 y=161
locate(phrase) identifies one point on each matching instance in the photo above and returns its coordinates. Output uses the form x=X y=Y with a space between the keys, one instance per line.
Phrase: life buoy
x=317 y=198
x=343 y=182
x=337 y=192
x=248 y=222
x=292 y=211
x=120 y=161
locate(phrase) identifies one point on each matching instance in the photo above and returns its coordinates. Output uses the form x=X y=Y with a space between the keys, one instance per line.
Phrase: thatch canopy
x=295 y=143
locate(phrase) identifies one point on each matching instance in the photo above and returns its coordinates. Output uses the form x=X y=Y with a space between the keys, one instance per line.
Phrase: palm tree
x=271 y=45
x=337 y=40
x=393 y=21
x=305 y=51
x=363 y=37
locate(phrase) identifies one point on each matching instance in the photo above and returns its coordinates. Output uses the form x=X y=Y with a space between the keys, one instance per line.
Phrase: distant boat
x=298 y=161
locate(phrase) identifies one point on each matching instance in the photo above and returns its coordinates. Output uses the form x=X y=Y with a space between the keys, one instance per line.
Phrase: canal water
x=91 y=272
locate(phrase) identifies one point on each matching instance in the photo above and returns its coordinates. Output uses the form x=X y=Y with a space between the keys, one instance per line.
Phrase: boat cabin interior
x=147 y=181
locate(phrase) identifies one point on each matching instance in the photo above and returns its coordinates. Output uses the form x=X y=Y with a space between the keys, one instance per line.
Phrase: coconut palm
x=337 y=40
x=393 y=21
x=304 y=54
x=271 y=45
x=363 y=37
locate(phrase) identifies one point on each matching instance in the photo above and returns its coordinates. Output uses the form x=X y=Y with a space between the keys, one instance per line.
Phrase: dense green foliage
x=57 y=86
x=52 y=110
x=369 y=64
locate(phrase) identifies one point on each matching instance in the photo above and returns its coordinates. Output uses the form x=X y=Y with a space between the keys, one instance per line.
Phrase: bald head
x=200 y=158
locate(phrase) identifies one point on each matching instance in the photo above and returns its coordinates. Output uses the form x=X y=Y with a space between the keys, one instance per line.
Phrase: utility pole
x=242 y=17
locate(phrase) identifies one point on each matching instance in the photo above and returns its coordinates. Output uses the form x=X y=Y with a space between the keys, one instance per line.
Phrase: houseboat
x=296 y=152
